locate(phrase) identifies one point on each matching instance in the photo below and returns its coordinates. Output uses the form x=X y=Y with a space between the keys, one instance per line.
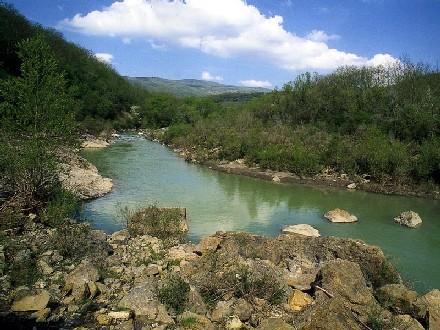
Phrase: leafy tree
x=36 y=123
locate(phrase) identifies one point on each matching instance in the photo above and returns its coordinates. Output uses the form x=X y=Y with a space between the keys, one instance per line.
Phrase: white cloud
x=382 y=59
x=104 y=57
x=321 y=36
x=222 y=28
x=256 y=83
x=209 y=77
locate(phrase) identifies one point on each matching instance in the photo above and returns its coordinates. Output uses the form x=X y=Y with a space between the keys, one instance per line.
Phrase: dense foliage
x=384 y=122
x=36 y=123
x=102 y=97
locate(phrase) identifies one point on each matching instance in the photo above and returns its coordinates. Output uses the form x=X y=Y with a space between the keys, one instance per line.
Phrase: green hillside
x=191 y=87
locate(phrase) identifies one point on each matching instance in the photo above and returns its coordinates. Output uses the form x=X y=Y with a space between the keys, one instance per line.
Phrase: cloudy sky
x=253 y=43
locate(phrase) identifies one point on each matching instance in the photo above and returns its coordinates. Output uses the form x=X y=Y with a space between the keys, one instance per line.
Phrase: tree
x=36 y=124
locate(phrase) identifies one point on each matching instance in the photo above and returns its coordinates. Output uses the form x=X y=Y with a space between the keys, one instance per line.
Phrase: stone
x=142 y=300
x=44 y=267
x=29 y=303
x=352 y=186
x=41 y=315
x=103 y=319
x=301 y=229
x=400 y=298
x=234 y=323
x=120 y=315
x=276 y=179
x=125 y=325
x=93 y=289
x=344 y=279
x=300 y=281
x=195 y=302
x=340 y=216
x=94 y=144
x=162 y=315
x=221 y=310
x=208 y=244
x=152 y=269
x=408 y=323
x=409 y=219
x=243 y=310
x=332 y=314
x=431 y=302
x=298 y=300
x=119 y=236
x=79 y=279
x=83 y=179
x=274 y=324
x=176 y=253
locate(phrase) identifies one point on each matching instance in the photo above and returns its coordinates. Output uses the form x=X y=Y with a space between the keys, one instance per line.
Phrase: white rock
x=352 y=186
x=95 y=144
x=409 y=219
x=276 y=178
x=340 y=216
x=301 y=229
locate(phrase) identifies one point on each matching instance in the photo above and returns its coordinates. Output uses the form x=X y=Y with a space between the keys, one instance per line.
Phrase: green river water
x=145 y=172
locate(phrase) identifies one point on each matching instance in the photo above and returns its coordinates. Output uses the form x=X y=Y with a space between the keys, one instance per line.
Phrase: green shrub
x=59 y=209
x=75 y=241
x=174 y=293
x=163 y=223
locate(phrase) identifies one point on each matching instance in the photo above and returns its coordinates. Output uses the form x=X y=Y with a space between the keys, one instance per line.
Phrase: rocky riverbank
x=327 y=178
x=82 y=178
x=75 y=277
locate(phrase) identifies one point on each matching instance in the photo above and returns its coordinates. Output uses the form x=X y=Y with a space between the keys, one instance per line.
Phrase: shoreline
x=334 y=180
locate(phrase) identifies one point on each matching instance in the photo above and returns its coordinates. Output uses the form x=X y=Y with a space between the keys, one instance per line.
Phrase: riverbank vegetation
x=381 y=122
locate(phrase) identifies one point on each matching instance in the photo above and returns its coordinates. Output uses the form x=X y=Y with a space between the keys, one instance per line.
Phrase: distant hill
x=191 y=87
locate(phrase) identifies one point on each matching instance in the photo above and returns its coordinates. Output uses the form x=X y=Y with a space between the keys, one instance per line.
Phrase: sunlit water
x=144 y=172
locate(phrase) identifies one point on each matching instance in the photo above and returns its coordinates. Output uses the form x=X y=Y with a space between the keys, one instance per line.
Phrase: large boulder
x=344 y=279
x=398 y=297
x=82 y=280
x=274 y=324
x=332 y=314
x=340 y=216
x=83 y=179
x=32 y=302
x=301 y=229
x=299 y=300
x=409 y=219
x=142 y=300
x=431 y=301
x=94 y=144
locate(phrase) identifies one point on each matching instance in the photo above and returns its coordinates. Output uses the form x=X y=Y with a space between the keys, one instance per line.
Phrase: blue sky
x=256 y=43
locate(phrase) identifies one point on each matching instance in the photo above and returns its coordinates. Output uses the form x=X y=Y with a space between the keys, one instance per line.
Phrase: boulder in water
x=301 y=229
x=340 y=216
x=409 y=219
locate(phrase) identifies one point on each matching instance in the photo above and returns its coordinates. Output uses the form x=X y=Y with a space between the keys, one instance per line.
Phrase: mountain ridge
x=191 y=87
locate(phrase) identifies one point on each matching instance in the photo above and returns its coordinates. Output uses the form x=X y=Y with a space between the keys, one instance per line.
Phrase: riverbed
x=146 y=172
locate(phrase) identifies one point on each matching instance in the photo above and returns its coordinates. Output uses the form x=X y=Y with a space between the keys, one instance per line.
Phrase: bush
x=167 y=224
x=75 y=241
x=174 y=293
x=59 y=208
x=226 y=276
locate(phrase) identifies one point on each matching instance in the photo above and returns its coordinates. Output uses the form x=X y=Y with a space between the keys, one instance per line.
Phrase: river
x=146 y=172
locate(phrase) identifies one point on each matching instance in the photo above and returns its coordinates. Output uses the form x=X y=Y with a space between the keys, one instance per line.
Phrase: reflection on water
x=146 y=172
